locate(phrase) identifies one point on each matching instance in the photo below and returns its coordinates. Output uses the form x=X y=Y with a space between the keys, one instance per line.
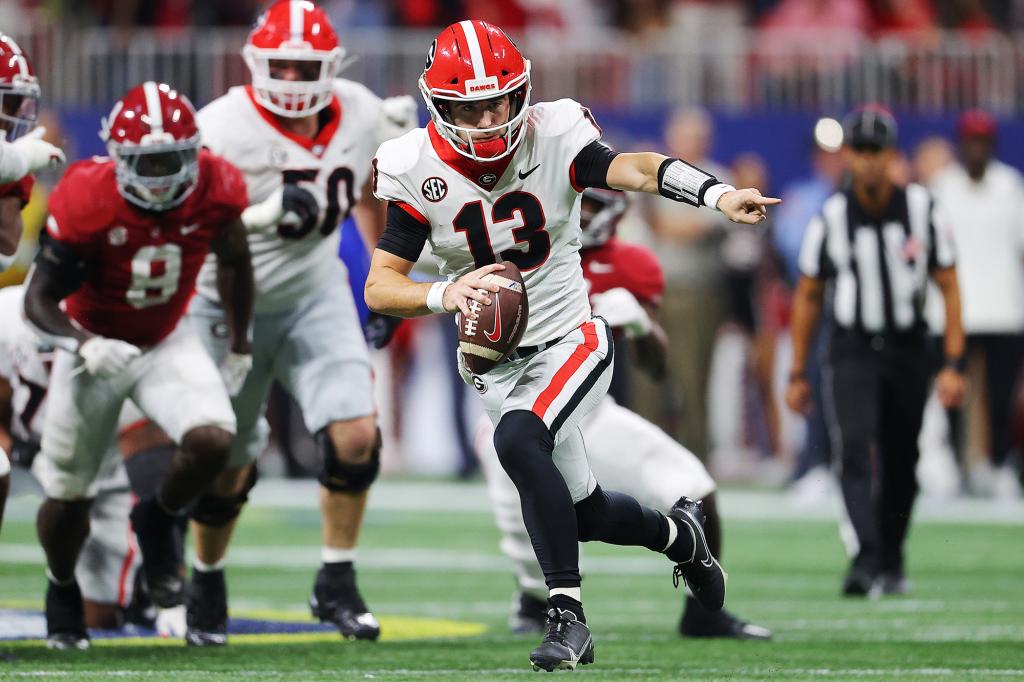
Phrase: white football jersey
x=530 y=216
x=25 y=365
x=289 y=265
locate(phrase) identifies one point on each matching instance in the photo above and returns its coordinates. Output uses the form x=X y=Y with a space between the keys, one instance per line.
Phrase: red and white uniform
x=529 y=213
x=141 y=273
x=143 y=264
x=622 y=447
x=109 y=558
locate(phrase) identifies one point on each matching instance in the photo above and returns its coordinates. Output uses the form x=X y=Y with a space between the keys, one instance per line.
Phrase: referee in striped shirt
x=876 y=244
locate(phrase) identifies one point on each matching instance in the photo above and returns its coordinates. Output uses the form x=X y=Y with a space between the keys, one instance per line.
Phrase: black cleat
x=699 y=622
x=701 y=570
x=206 y=600
x=530 y=615
x=160 y=538
x=566 y=644
x=65 y=618
x=336 y=599
x=860 y=583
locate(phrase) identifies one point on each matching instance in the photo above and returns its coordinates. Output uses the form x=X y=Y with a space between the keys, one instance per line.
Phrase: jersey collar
x=474 y=171
x=316 y=145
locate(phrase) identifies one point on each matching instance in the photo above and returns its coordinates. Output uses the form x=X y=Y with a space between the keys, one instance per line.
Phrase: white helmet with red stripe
x=19 y=90
x=152 y=136
x=293 y=31
x=472 y=61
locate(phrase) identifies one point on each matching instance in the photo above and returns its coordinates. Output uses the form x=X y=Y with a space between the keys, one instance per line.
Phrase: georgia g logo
x=430 y=54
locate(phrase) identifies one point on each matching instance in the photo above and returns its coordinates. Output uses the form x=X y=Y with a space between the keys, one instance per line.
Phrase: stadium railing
x=736 y=69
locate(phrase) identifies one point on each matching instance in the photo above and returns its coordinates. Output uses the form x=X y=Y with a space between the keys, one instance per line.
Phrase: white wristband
x=714 y=193
x=5 y=463
x=435 y=297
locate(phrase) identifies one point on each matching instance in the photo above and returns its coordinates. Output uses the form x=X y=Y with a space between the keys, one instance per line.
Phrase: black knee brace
x=345 y=477
x=217 y=511
x=147 y=469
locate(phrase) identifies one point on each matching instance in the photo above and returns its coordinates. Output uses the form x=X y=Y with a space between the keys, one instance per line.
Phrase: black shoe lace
x=555 y=633
x=677 y=573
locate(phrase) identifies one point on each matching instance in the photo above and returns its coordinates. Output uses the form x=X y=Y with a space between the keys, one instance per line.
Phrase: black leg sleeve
x=618 y=519
x=524 y=446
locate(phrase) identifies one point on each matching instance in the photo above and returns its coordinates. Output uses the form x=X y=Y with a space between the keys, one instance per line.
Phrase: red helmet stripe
x=153 y=109
x=475 y=55
x=297 y=19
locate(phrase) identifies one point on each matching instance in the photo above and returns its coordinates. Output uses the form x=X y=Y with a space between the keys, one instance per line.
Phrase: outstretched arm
x=676 y=179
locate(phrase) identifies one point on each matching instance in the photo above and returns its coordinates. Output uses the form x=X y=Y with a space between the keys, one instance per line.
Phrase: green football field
x=432 y=572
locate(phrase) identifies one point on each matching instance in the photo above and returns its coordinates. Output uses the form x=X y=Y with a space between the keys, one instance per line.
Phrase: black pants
x=878 y=392
x=1004 y=356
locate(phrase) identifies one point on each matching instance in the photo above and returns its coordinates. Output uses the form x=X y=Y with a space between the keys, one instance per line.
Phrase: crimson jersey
x=22 y=189
x=617 y=264
x=142 y=266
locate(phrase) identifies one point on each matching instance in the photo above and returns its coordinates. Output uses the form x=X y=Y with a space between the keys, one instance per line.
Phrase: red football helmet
x=600 y=213
x=293 y=31
x=19 y=90
x=472 y=61
x=152 y=137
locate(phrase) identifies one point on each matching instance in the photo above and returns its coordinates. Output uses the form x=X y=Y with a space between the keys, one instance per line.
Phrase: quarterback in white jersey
x=303 y=139
x=491 y=179
x=107 y=565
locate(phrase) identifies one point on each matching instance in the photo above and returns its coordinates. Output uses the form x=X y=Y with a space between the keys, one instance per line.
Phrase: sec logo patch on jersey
x=434 y=189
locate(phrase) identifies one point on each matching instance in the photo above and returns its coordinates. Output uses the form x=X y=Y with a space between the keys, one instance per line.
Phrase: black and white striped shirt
x=879 y=264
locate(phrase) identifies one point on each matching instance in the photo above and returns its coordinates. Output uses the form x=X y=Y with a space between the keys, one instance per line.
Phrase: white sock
x=209 y=568
x=571 y=592
x=335 y=555
x=673 y=531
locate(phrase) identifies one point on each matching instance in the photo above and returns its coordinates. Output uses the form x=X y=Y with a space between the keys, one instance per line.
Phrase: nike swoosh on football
x=523 y=176
x=495 y=333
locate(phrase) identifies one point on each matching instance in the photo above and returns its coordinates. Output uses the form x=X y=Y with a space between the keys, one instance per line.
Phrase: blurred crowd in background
x=727 y=301
x=875 y=17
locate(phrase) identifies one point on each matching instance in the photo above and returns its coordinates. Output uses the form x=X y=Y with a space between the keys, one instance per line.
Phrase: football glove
x=302 y=206
x=106 y=357
x=233 y=371
x=171 y=622
x=619 y=308
x=28 y=154
x=380 y=329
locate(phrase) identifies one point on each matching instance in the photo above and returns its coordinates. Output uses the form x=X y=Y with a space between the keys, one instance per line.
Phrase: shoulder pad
x=551 y=119
x=400 y=154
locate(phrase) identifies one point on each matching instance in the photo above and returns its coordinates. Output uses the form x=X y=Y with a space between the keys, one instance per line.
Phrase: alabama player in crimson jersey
x=21 y=154
x=493 y=178
x=304 y=139
x=126 y=238
x=626 y=285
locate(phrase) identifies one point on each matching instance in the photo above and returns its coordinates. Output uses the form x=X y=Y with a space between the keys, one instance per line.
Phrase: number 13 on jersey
x=521 y=208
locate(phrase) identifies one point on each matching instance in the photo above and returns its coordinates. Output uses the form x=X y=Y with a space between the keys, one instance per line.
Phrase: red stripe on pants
x=565 y=372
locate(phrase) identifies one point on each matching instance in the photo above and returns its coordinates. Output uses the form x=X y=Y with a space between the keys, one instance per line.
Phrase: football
x=495 y=330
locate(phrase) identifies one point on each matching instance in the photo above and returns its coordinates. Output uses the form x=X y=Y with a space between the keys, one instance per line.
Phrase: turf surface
x=963 y=621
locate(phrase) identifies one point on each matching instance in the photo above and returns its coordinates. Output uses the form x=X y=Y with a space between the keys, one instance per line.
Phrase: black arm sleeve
x=59 y=261
x=404 y=235
x=590 y=167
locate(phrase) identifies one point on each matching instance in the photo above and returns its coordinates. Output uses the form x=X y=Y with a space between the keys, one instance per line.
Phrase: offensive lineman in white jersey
x=304 y=140
x=494 y=177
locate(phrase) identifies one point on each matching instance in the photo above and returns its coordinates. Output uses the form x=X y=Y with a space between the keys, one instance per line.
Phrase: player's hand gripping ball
x=491 y=332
